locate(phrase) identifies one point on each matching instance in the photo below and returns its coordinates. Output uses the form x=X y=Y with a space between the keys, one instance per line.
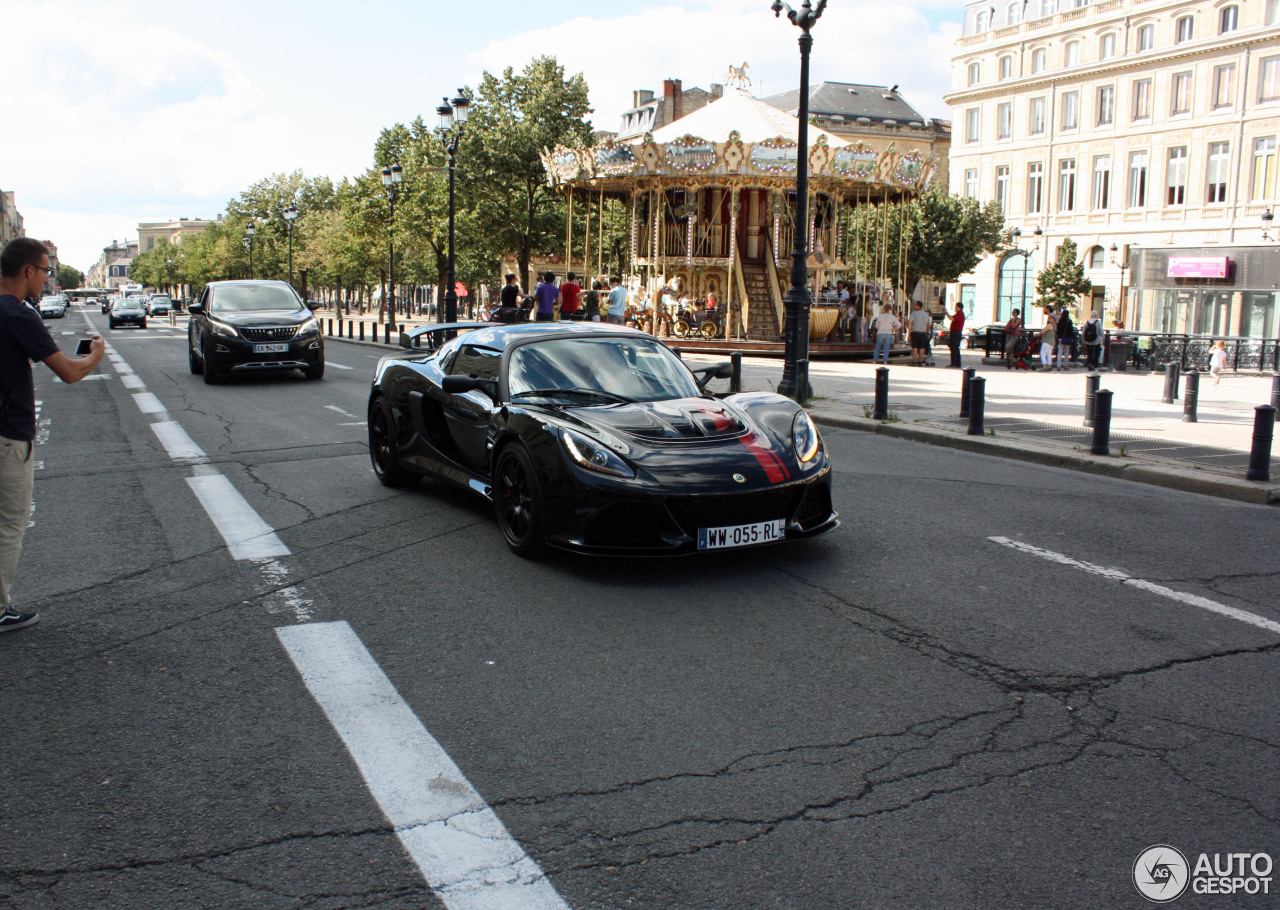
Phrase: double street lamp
x=797 y=302
x=168 y=262
x=290 y=213
x=392 y=177
x=1123 y=267
x=453 y=117
x=249 y=231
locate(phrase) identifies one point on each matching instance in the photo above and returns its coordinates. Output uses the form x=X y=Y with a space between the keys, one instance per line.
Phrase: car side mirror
x=195 y=309
x=714 y=371
x=458 y=385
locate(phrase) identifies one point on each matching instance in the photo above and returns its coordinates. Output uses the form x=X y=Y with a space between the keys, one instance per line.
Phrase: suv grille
x=697 y=512
x=281 y=333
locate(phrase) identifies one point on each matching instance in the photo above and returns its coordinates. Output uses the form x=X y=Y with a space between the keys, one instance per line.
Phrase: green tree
x=1062 y=283
x=68 y=277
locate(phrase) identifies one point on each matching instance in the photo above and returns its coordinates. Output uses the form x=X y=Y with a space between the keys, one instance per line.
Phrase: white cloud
x=878 y=44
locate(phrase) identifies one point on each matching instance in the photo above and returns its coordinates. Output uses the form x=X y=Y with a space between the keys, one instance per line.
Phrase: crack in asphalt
x=276 y=494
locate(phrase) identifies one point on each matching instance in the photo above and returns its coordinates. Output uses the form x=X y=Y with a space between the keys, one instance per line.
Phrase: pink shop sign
x=1198 y=267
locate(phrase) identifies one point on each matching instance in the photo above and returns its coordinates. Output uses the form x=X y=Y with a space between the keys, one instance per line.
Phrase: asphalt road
x=904 y=713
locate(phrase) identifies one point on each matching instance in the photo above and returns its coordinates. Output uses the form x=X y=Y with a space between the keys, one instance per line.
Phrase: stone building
x=10 y=218
x=112 y=268
x=1147 y=127
x=649 y=113
x=152 y=232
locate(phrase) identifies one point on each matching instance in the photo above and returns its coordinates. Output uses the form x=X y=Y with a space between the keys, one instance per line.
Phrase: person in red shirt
x=570 y=292
x=955 y=333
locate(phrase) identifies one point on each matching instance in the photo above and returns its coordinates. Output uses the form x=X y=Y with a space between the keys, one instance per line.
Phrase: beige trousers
x=17 y=476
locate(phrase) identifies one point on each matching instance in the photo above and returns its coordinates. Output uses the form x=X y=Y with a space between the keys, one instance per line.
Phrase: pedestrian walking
x=24 y=340
x=1012 y=332
x=570 y=292
x=593 y=301
x=1091 y=335
x=1217 y=360
x=1066 y=333
x=1048 y=339
x=955 y=333
x=920 y=324
x=617 y=306
x=886 y=324
x=546 y=297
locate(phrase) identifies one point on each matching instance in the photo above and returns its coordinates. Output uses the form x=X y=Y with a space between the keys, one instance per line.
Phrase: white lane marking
x=148 y=403
x=334 y=407
x=120 y=365
x=175 y=440
x=1123 y=577
x=338 y=366
x=354 y=423
x=92 y=376
x=131 y=381
x=465 y=853
x=67 y=333
x=291 y=599
x=246 y=534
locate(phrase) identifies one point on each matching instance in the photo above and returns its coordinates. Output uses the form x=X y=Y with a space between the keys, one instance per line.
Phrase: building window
x=151 y=243
x=971 y=183
x=1035 y=117
x=1264 y=169
x=975 y=73
x=1137 y=179
x=982 y=22
x=1269 y=79
x=1070 y=110
x=1066 y=184
x=1176 y=176
x=1142 y=99
x=1015 y=13
x=1101 y=182
x=1223 y=82
x=1035 y=187
x=1273 y=12
x=1049 y=8
x=1071 y=57
x=1181 y=96
x=1097 y=258
x=1006 y=68
x=1040 y=59
x=1017 y=289
x=1185 y=29
x=1107 y=46
x=1227 y=19
x=1219 y=168
x=1004 y=120
x=1002 y=187
x=1106 y=105
x=1146 y=38
x=972 y=125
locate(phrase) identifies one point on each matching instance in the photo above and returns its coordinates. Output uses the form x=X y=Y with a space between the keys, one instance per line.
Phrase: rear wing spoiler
x=430 y=337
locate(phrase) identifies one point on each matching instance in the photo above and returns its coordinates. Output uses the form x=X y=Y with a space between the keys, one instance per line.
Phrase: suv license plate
x=741 y=535
x=270 y=349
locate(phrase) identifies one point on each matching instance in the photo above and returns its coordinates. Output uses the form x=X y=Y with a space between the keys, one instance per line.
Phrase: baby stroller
x=1023 y=351
x=928 y=349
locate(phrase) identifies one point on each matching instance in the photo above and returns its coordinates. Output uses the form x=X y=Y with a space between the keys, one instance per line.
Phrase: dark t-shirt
x=24 y=339
x=569 y=297
x=511 y=296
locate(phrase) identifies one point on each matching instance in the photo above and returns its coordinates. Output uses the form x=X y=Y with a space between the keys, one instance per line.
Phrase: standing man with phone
x=24 y=339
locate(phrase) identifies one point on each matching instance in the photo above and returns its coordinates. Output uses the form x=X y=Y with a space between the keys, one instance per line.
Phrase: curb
x=1108 y=466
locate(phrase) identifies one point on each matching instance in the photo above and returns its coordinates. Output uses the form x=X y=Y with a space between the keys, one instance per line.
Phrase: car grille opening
x=273 y=333
x=815 y=508
x=694 y=512
x=630 y=524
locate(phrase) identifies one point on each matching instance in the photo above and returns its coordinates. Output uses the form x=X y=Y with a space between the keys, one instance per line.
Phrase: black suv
x=252 y=326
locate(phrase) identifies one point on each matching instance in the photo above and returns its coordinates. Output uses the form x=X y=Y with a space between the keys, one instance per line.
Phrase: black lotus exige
x=597 y=438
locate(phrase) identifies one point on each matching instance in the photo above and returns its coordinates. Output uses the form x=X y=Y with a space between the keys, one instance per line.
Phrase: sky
x=139 y=110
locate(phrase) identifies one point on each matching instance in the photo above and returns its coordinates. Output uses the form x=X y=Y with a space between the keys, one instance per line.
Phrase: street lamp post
x=795 y=369
x=392 y=177
x=1123 y=267
x=168 y=262
x=453 y=117
x=249 y=230
x=290 y=213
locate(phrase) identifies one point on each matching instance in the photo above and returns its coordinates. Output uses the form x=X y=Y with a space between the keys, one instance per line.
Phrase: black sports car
x=597 y=438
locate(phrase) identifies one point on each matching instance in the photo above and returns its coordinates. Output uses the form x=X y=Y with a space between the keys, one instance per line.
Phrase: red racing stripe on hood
x=774 y=469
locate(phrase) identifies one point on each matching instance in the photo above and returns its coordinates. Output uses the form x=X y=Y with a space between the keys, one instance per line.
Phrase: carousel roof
x=738 y=111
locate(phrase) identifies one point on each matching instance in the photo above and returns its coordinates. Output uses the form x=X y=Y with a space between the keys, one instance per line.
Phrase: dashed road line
x=1125 y=578
x=246 y=534
x=175 y=440
x=338 y=366
x=148 y=403
x=334 y=407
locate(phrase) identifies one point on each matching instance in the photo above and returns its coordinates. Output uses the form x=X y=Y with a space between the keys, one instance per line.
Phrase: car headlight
x=310 y=327
x=593 y=456
x=804 y=436
x=221 y=328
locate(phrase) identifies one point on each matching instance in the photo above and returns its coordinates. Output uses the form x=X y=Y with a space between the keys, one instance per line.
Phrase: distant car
x=251 y=327
x=52 y=308
x=127 y=312
x=159 y=305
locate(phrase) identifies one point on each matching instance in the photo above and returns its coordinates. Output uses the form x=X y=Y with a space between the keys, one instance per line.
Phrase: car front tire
x=384 y=453
x=211 y=376
x=517 y=500
x=196 y=365
x=315 y=372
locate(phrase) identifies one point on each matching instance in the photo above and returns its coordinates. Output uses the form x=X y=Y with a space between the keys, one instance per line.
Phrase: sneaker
x=11 y=619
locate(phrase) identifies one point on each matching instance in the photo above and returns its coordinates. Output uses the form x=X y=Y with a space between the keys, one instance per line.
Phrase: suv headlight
x=310 y=327
x=593 y=456
x=221 y=328
x=804 y=436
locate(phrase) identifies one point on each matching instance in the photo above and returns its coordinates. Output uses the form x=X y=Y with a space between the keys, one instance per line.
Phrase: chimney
x=717 y=90
x=673 y=94
x=641 y=97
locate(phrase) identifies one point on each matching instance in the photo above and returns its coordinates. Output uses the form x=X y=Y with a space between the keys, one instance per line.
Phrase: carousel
x=711 y=203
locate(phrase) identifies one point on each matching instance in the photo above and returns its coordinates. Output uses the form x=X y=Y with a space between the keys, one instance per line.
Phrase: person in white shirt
x=920 y=324
x=885 y=325
x=1217 y=361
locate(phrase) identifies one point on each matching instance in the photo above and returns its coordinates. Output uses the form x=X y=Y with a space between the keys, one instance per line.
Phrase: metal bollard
x=1177 y=379
x=1170 y=384
x=679 y=353
x=881 y=411
x=735 y=381
x=1275 y=391
x=1264 y=428
x=362 y=330
x=1101 y=423
x=330 y=328
x=351 y=328
x=1189 y=399
x=969 y=373
x=1090 y=397
x=977 y=405
x=386 y=333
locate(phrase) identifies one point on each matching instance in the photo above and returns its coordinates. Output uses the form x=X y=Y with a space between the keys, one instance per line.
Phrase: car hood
x=268 y=318
x=685 y=418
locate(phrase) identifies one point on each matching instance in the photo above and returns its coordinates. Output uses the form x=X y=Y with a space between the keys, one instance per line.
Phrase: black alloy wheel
x=384 y=453
x=517 y=499
x=315 y=372
x=211 y=374
x=197 y=365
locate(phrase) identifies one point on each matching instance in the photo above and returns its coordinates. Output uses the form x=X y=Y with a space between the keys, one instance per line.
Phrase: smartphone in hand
x=83 y=348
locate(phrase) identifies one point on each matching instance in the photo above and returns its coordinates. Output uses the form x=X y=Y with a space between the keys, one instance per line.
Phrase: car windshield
x=254 y=298
x=606 y=369
x=131 y=304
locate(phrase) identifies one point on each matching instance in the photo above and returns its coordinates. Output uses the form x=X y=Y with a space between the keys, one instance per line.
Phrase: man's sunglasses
x=47 y=269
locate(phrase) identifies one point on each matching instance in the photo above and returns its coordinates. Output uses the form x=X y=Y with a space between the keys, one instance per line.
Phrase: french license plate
x=741 y=535
x=270 y=349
